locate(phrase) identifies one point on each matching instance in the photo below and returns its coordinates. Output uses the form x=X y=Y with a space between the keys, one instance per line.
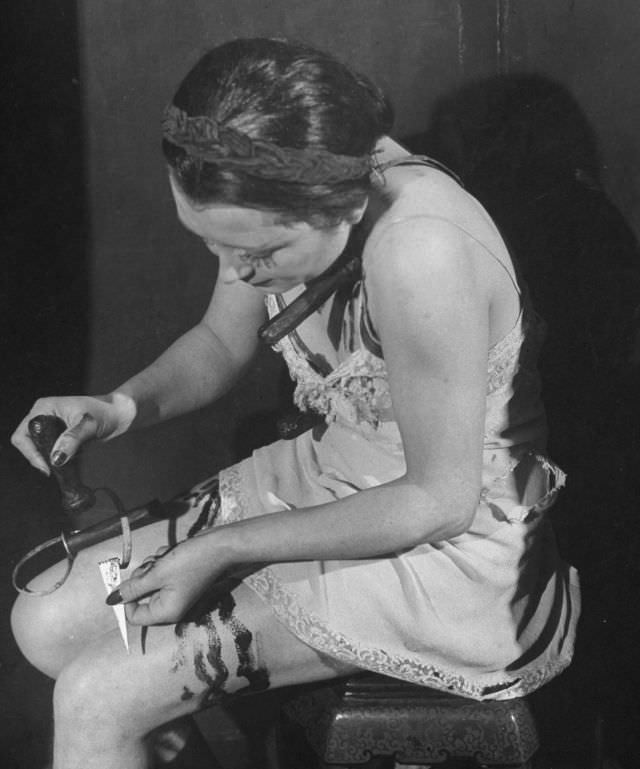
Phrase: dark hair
x=290 y=95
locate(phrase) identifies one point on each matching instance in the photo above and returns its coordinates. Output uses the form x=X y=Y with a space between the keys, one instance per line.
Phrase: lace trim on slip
x=516 y=353
x=356 y=391
x=313 y=631
x=556 y=480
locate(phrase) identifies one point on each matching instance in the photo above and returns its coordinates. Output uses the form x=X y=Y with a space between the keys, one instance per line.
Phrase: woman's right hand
x=87 y=417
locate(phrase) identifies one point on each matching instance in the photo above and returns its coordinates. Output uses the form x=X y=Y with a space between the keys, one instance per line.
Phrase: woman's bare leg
x=106 y=701
x=52 y=630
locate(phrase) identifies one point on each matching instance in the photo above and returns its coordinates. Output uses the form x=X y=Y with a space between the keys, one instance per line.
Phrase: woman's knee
x=89 y=697
x=122 y=696
x=44 y=631
x=80 y=693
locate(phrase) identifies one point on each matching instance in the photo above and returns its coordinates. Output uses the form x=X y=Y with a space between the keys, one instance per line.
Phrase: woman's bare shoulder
x=423 y=206
x=418 y=195
x=436 y=243
x=406 y=232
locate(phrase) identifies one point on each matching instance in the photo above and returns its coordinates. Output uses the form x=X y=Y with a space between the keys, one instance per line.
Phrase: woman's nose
x=230 y=272
x=232 y=264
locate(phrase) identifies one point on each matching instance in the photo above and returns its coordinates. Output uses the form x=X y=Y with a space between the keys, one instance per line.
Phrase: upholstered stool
x=374 y=720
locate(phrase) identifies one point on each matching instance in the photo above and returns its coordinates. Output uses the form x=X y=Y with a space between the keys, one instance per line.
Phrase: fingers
x=165 y=585
x=147 y=603
x=145 y=593
x=70 y=441
x=155 y=611
x=76 y=413
x=150 y=561
x=135 y=593
x=21 y=440
x=161 y=551
x=140 y=584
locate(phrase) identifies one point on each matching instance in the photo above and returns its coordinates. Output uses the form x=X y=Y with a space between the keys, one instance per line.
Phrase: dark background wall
x=591 y=47
x=44 y=308
x=99 y=277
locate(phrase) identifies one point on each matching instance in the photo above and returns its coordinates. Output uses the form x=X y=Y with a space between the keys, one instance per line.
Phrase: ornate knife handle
x=76 y=497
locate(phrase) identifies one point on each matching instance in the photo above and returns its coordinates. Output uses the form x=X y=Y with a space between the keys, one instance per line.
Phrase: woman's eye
x=264 y=259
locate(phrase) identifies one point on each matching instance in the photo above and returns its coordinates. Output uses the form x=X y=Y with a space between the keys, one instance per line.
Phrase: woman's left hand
x=166 y=585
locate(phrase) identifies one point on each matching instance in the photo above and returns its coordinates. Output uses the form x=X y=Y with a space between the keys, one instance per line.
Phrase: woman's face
x=254 y=247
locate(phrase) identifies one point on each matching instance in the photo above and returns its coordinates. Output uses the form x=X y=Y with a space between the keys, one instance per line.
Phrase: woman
x=407 y=535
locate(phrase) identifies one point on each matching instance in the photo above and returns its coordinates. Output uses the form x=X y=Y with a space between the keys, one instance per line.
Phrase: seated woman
x=407 y=534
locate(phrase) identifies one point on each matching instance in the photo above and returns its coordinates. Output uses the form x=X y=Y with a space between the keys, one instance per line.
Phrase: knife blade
x=111 y=576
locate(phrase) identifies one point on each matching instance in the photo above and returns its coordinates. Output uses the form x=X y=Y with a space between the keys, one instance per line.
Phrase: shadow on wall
x=524 y=148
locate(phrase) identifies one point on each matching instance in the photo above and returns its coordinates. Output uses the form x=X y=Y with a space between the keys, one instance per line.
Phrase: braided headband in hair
x=204 y=138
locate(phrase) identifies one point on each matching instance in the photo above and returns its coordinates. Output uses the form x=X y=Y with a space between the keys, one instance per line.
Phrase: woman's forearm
x=385 y=519
x=194 y=371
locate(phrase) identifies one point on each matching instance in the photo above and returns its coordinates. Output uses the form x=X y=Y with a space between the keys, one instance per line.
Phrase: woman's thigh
x=233 y=643
x=53 y=629
x=235 y=647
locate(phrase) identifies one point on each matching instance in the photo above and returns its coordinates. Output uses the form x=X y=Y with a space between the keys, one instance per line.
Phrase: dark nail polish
x=58 y=458
x=114 y=598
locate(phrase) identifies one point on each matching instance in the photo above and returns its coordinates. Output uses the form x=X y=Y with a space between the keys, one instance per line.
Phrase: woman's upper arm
x=234 y=315
x=432 y=316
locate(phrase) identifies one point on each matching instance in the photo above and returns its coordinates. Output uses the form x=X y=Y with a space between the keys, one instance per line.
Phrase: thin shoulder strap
x=420 y=160
x=367 y=330
x=425 y=160
x=434 y=217
x=368 y=333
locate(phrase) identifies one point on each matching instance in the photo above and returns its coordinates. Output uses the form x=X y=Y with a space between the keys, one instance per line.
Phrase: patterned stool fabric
x=374 y=720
